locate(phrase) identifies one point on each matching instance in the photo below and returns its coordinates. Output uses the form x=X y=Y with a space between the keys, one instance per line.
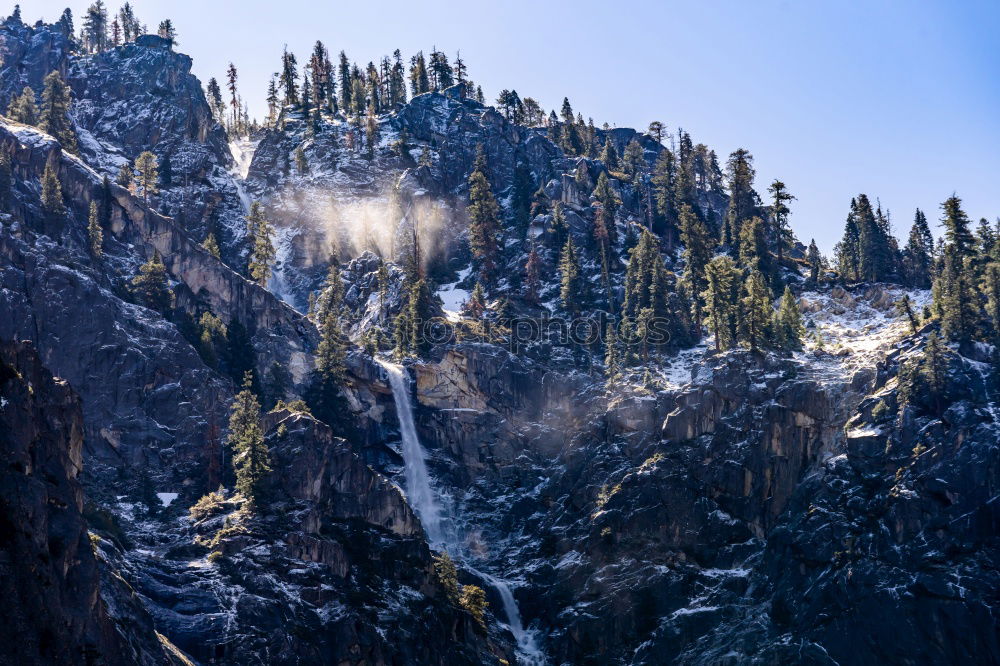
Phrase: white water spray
x=421 y=497
x=418 y=481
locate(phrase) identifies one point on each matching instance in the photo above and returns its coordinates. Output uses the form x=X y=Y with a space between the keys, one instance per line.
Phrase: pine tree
x=557 y=231
x=331 y=296
x=95 y=236
x=150 y=285
x=601 y=237
x=272 y=100
x=215 y=102
x=782 y=233
x=925 y=381
x=129 y=23
x=989 y=286
x=754 y=254
x=905 y=308
x=418 y=310
x=698 y=246
x=756 y=312
x=330 y=355
x=520 y=198
x=322 y=76
x=815 y=261
x=610 y=201
x=54 y=118
x=613 y=361
x=721 y=277
x=344 y=74
x=22 y=109
x=65 y=24
x=234 y=99
x=262 y=253
x=954 y=297
x=95 y=27
x=211 y=245
x=126 y=177
x=440 y=70
x=847 y=250
x=954 y=287
x=288 y=78
x=419 y=81
x=484 y=220
x=167 y=31
x=875 y=260
x=301 y=163
x=656 y=130
x=475 y=306
x=918 y=253
x=371 y=132
x=397 y=82
x=148 y=175
x=323 y=393
x=957 y=228
x=306 y=105
x=251 y=458
x=664 y=192
x=572 y=291
x=569 y=138
x=788 y=328
x=743 y=200
x=447 y=575
x=633 y=159
x=532 y=275
x=609 y=156
x=52 y=200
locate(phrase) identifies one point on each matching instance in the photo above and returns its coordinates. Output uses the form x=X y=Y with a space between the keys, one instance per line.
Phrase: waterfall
x=528 y=651
x=420 y=494
x=418 y=481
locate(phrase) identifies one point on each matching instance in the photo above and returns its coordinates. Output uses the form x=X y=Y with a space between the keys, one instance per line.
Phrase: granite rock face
x=134 y=98
x=728 y=507
x=54 y=612
x=335 y=558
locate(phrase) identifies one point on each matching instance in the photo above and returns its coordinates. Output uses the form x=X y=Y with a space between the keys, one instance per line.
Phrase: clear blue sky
x=898 y=99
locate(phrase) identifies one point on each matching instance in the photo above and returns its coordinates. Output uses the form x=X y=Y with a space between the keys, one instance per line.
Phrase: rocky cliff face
x=338 y=556
x=49 y=576
x=711 y=508
x=131 y=99
x=54 y=287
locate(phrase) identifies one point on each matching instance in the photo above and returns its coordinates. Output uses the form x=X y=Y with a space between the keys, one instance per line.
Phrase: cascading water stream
x=418 y=481
x=421 y=496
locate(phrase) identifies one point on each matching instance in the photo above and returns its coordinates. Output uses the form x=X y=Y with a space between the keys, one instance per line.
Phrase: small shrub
x=880 y=411
x=447 y=575
x=606 y=494
x=208 y=505
x=474 y=601
x=650 y=462
x=297 y=406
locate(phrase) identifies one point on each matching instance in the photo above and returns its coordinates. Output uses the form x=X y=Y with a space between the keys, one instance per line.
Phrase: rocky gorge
x=711 y=507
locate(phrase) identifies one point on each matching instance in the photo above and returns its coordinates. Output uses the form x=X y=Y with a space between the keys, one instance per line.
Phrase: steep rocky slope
x=57 y=609
x=141 y=96
x=708 y=508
